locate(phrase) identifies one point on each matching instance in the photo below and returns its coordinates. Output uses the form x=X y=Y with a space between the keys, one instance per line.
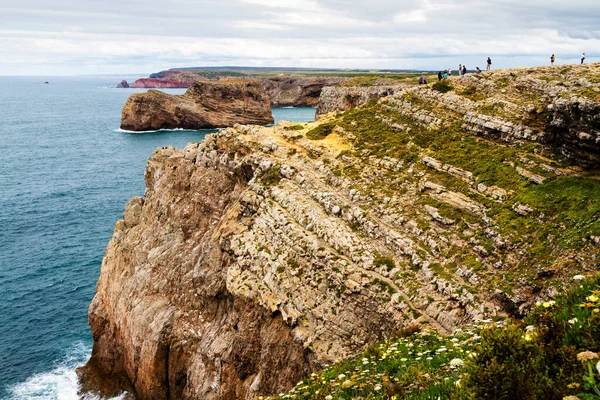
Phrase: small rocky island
x=205 y=105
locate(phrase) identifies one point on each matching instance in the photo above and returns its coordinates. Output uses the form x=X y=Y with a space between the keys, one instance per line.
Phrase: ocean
x=66 y=173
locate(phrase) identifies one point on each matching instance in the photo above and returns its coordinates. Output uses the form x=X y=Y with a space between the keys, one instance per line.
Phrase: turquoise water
x=66 y=173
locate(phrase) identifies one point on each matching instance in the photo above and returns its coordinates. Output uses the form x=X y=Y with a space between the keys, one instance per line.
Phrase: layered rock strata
x=205 y=105
x=259 y=255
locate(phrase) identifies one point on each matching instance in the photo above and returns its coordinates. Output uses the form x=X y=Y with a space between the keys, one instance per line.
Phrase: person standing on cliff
x=582 y=57
x=440 y=76
x=552 y=60
x=459 y=69
x=489 y=64
x=464 y=70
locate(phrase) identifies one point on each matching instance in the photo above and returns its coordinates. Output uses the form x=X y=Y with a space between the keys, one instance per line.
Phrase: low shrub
x=271 y=176
x=321 y=131
x=442 y=86
x=540 y=361
x=387 y=261
x=294 y=128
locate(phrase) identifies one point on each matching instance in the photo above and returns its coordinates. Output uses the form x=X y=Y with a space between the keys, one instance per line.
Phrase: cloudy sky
x=42 y=37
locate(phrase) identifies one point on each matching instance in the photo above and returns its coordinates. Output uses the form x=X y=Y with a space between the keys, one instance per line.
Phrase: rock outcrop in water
x=260 y=255
x=205 y=105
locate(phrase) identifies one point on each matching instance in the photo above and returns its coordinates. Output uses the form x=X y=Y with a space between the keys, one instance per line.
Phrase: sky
x=72 y=37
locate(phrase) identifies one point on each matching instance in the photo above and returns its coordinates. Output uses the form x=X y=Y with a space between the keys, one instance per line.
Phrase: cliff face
x=346 y=98
x=163 y=83
x=298 y=91
x=260 y=255
x=204 y=105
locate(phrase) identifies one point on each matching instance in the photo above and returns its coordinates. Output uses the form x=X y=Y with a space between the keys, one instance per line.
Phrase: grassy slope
x=425 y=365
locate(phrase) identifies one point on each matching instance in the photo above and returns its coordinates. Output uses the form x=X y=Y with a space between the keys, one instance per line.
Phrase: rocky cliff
x=262 y=254
x=284 y=91
x=346 y=98
x=204 y=105
x=293 y=91
x=163 y=83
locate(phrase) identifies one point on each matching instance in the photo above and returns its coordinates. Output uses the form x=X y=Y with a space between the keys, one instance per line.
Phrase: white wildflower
x=456 y=363
x=578 y=277
x=341 y=376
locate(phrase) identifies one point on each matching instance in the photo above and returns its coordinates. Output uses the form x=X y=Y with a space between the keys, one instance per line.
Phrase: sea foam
x=58 y=384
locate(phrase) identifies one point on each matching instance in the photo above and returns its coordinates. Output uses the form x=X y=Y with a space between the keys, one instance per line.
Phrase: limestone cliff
x=204 y=105
x=260 y=255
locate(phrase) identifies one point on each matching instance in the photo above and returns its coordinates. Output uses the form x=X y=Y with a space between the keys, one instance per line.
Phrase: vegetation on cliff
x=546 y=357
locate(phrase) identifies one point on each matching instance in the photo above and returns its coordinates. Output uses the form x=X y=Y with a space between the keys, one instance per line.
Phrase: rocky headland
x=205 y=105
x=284 y=91
x=260 y=255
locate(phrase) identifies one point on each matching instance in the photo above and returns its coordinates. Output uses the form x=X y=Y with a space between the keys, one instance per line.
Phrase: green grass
x=570 y=206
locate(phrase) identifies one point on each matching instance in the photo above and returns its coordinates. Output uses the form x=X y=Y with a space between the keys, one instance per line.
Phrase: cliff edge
x=263 y=254
x=205 y=105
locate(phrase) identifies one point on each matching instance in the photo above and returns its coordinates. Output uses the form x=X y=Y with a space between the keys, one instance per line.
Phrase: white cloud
x=71 y=36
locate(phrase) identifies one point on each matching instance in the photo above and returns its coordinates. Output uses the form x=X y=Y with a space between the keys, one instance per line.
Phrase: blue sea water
x=66 y=173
